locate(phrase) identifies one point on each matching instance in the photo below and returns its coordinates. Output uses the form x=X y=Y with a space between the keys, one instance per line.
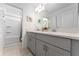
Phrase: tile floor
x=16 y=51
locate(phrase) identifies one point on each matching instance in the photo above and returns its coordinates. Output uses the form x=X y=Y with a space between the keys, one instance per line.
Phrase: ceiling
x=24 y=5
x=54 y=6
x=48 y=7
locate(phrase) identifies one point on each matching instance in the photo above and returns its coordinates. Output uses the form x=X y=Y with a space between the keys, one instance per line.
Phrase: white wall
x=29 y=10
x=1 y=32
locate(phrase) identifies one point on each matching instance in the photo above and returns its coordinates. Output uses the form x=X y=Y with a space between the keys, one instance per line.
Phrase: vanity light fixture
x=40 y=8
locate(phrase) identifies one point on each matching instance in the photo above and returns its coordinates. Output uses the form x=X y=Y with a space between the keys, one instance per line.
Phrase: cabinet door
x=54 y=51
x=31 y=44
x=40 y=48
x=75 y=48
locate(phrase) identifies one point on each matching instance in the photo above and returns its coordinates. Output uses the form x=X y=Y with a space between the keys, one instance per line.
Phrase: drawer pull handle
x=8 y=32
x=45 y=48
x=8 y=26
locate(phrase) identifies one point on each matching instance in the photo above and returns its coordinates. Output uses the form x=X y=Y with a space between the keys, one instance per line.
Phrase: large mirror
x=42 y=24
x=59 y=15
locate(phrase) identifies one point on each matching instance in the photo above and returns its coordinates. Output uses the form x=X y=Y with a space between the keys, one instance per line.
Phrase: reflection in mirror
x=43 y=24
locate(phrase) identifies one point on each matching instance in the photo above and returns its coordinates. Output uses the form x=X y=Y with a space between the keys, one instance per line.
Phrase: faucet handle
x=54 y=30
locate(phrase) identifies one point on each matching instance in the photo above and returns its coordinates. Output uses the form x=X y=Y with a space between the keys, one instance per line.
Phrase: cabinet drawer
x=43 y=49
x=11 y=45
x=31 y=34
x=63 y=43
x=54 y=51
x=10 y=33
x=10 y=40
x=12 y=21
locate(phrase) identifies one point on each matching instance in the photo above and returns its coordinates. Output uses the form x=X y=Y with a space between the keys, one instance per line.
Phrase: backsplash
x=69 y=30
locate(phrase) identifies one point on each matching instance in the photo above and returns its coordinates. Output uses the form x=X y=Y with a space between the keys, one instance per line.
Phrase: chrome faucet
x=54 y=30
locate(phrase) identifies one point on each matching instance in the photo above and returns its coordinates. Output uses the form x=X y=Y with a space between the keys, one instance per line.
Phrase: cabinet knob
x=30 y=39
x=45 y=48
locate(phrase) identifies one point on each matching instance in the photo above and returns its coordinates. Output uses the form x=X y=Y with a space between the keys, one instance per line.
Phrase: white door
x=12 y=30
x=1 y=30
x=12 y=25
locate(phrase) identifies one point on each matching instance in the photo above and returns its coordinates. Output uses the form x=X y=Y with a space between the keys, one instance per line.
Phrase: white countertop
x=74 y=36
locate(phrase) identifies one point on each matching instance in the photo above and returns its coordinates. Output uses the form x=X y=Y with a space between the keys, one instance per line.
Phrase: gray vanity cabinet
x=41 y=45
x=63 y=43
x=40 y=48
x=54 y=51
x=43 y=49
x=31 y=44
